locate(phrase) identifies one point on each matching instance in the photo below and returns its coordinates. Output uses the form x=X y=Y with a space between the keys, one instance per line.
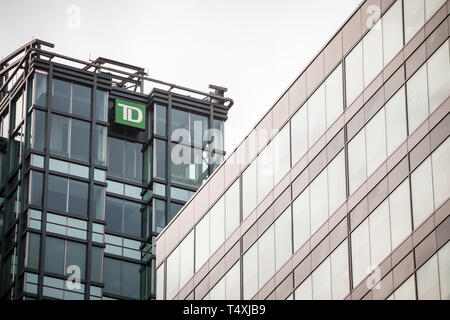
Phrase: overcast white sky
x=255 y=48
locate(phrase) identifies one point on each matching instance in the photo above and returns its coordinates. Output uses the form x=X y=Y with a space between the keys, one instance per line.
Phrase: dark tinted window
x=81 y=100
x=133 y=162
x=76 y=256
x=78 y=197
x=80 y=140
x=114 y=214
x=115 y=157
x=61 y=95
x=132 y=219
x=57 y=193
x=111 y=274
x=54 y=255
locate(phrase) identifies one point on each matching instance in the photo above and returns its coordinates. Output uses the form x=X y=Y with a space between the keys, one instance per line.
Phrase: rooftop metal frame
x=123 y=75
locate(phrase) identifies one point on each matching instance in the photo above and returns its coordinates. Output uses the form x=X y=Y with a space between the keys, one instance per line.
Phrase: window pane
x=266 y=256
x=40 y=97
x=54 y=255
x=57 y=193
x=318 y=191
x=160 y=159
x=99 y=202
x=111 y=271
x=202 y=242
x=233 y=283
x=299 y=127
x=232 y=209
x=80 y=140
x=96 y=264
x=160 y=120
x=316 y=115
x=198 y=126
x=249 y=189
x=38 y=136
x=37 y=183
x=417 y=98
x=76 y=256
x=173 y=274
x=357 y=161
x=174 y=209
x=439 y=76
x=334 y=97
x=414 y=17
x=360 y=252
x=372 y=53
x=441 y=173
x=180 y=120
x=59 y=139
x=392 y=32
x=78 y=197
x=444 y=271
x=428 y=280
x=132 y=219
x=300 y=209
x=281 y=153
x=321 y=281
x=354 y=73
x=114 y=217
x=218 y=292
x=336 y=182
x=380 y=233
x=265 y=172
x=160 y=283
x=304 y=291
x=400 y=214
x=159 y=215
x=133 y=162
x=100 y=150
x=217 y=225
x=115 y=157
x=376 y=142
x=33 y=250
x=61 y=95
x=283 y=238
x=422 y=193
x=431 y=6
x=186 y=259
x=407 y=291
x=81 y=100
x=339 y=272
x=101 y=105
x=395 y=121
x=250 y=276
x=131 y=280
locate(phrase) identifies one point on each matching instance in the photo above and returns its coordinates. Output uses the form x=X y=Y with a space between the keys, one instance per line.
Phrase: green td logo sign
x=130 y=113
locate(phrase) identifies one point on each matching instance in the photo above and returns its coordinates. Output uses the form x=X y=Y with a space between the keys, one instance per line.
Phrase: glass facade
x=346 y=194
x=85 y=197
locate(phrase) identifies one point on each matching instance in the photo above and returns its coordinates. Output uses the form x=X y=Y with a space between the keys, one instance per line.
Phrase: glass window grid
x=69 y=153
x=67 y=192
x=71 y=97
x=309 y=288
x=57 y=288
x=34 y=219
x=423 y=205
x=69 y=168
x=365 y=47
x=66 y=226
x=123 y=189
x=266 y=256
x=122 y=247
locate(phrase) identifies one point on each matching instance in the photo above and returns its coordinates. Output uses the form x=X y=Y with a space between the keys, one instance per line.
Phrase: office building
x=86 y=177
x=341 y=190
